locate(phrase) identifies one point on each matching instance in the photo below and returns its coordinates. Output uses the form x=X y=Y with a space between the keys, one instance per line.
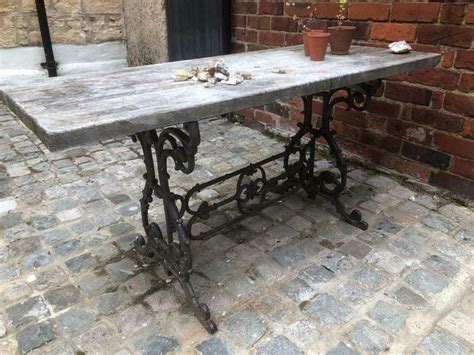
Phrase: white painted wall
x=23 y=63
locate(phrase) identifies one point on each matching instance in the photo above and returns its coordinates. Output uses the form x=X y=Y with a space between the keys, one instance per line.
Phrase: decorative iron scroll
x=253 y=188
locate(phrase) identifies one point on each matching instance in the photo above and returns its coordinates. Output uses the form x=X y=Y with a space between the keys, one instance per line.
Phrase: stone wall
x=70 y=21
x=422 y=123
x=146 y=27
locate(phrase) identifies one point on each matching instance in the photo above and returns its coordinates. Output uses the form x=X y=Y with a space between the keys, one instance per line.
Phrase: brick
x=442 y=78
x=453 y=13
x=448 y=59
x=415 y=12
x=328 y=10
x=393 y=32
x=464 y=60
x=270 y=8
x=259 y=22
x=286 y=24
x=362 y=30
x=298 y=9
x=239 y=21
x=412 y=168
x=293 y=39
x=426 y=155
x=463 y=167
x=397 y=77
x=449 y=35
x=389 y=143
x=468 y=131
x=437 y=99
x=238 y=47
x=369 y=11
x=455 y=145
x=470 y=15
x=458 y=103
x=406 y=93
x=452 y=182
x=377 y=123
x=346 y=130
x=245 y=35
x=355 y=118
x=273 y=39
x=255 y=47
x=436 y=119
x=409 y=131
x=248 y=112
x=264 y=117
x=277 y=109
x=466 y=83
x=248 y=7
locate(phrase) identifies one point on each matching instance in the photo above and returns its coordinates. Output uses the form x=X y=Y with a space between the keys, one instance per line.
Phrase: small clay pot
x=318 y=44
x=305 y=40
x=341 y=39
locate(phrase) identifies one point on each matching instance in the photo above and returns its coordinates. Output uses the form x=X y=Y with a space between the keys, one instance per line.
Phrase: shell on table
x=399 y=47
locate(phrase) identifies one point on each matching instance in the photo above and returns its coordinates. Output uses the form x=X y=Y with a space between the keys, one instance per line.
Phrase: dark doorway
x=198 y=28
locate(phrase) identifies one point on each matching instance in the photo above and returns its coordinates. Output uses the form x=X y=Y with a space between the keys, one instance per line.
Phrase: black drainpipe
x=50 y=63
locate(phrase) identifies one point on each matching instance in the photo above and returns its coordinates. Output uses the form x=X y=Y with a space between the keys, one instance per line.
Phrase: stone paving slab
x=292 y=279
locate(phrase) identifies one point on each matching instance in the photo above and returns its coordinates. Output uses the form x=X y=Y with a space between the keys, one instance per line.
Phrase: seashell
x=212 y=81
x=195 y=71
x=203 y=76
x=399 y=47
x=182 y=75
x=220 y=76
x=245 y=75
x=234 y=80
x=218 y=66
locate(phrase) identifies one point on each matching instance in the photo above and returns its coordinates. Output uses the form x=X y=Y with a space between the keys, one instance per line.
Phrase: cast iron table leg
x=173 y=248
x=327 y=184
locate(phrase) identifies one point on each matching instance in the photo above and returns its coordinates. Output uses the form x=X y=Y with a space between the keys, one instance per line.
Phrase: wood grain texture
x=70 y=111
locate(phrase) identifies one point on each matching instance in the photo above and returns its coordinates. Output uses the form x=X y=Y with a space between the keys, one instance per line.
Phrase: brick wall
x=70 y=21
x=422 y=123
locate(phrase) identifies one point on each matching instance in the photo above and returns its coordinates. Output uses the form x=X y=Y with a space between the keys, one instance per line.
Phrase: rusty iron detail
x=254 y=189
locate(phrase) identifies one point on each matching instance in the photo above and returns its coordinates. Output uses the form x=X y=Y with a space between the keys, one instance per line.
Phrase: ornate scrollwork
x=181 y=146
x=251 y=190
x=171 y=247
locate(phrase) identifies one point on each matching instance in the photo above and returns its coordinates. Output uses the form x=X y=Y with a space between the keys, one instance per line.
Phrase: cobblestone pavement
x=293 y=279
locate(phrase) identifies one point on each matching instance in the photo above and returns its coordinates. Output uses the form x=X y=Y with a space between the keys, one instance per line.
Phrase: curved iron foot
x=354 y=217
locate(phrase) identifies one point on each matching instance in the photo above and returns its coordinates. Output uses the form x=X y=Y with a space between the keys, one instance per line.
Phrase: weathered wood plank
x=69 y=111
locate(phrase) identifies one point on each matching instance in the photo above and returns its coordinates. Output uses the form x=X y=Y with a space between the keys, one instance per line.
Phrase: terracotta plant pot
x=305 y=40
x=318 y=44
x=341 y=39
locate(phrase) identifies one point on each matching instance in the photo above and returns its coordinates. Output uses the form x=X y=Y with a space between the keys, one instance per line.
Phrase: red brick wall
x=422 y=124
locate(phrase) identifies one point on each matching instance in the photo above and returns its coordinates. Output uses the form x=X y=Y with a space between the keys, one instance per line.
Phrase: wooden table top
x=78 y=109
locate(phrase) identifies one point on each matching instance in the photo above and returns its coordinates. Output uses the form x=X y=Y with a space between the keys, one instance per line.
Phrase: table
x=163 y=116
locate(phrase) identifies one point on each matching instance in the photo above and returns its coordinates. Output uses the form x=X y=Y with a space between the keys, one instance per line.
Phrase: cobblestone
x=369 y=337
x=426 y=281
x=439 y=342
x=245 y=327
x=328 y=310
x=279 y=345
x=294 y=279
x=34 y=336
x=388 y=315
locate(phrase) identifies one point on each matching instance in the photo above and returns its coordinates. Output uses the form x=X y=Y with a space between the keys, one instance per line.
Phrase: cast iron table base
x=171 y=247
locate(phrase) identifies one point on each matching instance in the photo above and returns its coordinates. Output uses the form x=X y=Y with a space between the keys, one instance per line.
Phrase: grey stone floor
x=293 y=279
